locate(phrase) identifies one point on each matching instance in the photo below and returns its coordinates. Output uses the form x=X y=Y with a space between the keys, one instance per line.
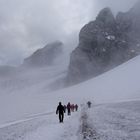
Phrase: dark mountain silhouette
x=45 y=56
x=105 y=43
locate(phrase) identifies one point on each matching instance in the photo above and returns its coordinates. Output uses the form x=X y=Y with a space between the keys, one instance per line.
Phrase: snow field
x=120 y=121
x=56 y=131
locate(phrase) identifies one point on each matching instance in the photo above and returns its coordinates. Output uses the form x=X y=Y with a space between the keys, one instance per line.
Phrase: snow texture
x=114 y=121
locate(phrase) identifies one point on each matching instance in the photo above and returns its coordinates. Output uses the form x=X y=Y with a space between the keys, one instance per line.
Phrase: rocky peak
x=106 y=16
x=104 y=25
x=53 y=46
x=105 y=43
x=128 y=23
x=45 y=56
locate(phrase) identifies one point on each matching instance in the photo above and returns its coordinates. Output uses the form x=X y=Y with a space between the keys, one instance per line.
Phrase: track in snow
x=88 y=132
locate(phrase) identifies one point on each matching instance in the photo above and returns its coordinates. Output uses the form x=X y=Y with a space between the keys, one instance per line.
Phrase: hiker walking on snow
x=72 y=107
x=89 y=104
x=60 y=110
x=69 y=108
x=76 y=107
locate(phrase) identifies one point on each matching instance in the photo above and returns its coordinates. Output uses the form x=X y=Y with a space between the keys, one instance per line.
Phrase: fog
x=28 y=25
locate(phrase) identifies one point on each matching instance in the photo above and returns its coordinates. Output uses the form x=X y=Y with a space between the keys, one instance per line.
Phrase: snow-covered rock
x=104 y=44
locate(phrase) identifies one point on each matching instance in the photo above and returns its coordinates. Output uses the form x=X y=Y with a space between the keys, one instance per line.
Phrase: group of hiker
x=61 y=109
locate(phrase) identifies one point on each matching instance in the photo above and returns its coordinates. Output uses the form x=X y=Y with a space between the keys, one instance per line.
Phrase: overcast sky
x=26 y=25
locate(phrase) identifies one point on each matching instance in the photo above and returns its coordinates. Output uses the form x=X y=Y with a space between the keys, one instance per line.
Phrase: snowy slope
x=29 y=113
x=20 y=90
x=118 y=121
x=30 y=78
x=114 y=121
x=120 y=83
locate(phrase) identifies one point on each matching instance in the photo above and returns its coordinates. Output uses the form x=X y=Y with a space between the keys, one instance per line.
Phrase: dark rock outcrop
x=45 y=56
x=105 y=43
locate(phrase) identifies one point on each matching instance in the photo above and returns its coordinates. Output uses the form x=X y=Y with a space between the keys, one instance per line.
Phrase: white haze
x=28 y=25
x=25 y=94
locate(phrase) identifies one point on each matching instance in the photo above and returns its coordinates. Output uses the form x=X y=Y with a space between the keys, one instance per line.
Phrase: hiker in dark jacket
x=60 y=110
x=69 y=108
x=76 y=107
x=89 y=104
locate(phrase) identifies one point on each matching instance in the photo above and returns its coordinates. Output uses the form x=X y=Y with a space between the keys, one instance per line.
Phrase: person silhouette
x=60 y=110
x=69 y=108
x=76 y=107
x=89 y=104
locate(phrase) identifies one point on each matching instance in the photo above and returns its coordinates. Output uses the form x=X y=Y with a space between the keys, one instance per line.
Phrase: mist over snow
x=73 y=51
x=28 y=25
x=26 y=94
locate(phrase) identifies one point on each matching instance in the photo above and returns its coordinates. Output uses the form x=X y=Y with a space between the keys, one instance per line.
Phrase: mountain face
x=45 y=56
x=105 y=43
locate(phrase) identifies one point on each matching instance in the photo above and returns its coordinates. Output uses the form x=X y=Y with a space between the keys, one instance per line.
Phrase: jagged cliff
x=105 y=43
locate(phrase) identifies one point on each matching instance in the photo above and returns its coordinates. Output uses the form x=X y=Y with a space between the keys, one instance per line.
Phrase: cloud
x=29 y=24
x=118 y=5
